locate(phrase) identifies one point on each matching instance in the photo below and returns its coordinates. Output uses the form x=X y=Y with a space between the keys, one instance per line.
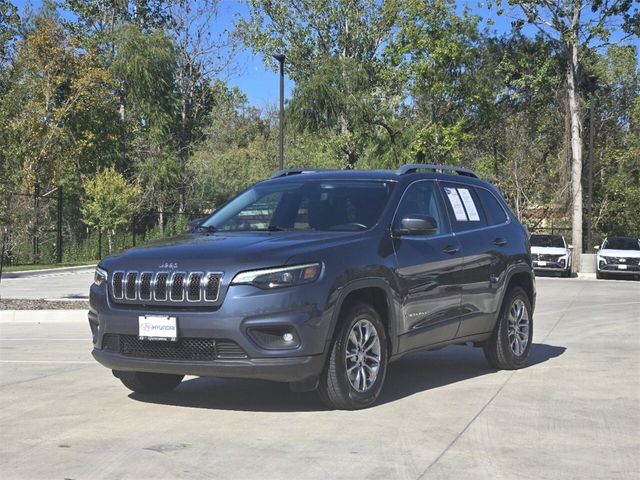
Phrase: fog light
x=274 y=337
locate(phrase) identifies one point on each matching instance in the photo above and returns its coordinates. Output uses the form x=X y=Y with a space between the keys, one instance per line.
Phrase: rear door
x=428 y=271
x=480 y=224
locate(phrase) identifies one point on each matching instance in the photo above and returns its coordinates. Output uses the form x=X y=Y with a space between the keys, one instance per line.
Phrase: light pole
x=280 y=58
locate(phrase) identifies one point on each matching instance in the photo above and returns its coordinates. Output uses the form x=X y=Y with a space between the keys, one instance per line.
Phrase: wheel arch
x=523 y=278
x=375 y=292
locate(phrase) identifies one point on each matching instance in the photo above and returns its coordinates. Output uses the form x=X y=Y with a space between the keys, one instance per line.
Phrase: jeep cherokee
x=320 y=278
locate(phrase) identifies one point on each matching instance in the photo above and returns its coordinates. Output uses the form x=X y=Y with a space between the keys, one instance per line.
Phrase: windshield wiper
x=276 y=228
x=207 y=228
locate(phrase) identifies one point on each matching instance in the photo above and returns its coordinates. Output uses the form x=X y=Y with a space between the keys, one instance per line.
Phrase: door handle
x=451 y=249
x=501 y=242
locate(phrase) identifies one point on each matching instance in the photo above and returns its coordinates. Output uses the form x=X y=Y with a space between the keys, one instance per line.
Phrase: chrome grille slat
x=145 y=287
x=212 y=286
x=176 y=291
x=130 y=287
x=194 y=287
x=117 y=285
x=160 y=286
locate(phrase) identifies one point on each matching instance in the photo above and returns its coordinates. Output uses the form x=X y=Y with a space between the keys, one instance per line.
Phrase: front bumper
x=302 y=310
x=627 y=269
x=284 y=369
x=550 y=266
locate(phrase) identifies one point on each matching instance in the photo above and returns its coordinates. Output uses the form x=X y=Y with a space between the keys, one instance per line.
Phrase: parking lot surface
x=67 y=285
x=572 y=413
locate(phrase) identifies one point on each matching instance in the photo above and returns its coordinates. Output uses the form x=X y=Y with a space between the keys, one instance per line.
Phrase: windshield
x=547 y=241
x=622 y=243
x=314 y=205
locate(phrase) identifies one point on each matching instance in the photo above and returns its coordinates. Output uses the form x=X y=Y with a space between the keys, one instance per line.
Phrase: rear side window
x=464 y=207
x=492 y=208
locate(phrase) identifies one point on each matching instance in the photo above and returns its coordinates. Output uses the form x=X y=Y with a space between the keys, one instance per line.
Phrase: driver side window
x=420 y=200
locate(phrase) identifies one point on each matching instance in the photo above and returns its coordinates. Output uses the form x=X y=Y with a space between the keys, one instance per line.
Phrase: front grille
x=165 y=287
x=546 y=257
x=187 y=349
x=626 y=260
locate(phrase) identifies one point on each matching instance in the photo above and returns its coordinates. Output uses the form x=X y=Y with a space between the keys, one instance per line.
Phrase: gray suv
x=320 y=279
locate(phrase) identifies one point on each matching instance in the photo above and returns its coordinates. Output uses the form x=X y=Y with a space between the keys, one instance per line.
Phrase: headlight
x=100 y=276
x=279 y=277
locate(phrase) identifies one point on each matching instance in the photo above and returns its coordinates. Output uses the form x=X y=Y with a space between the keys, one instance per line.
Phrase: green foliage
x=123 y=104
x=111 y=201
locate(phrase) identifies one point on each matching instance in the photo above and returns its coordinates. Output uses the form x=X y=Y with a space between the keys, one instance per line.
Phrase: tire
x=566 y=274
x=143 y=382
x=599 y=275
x=502 y=351
x=336 y=387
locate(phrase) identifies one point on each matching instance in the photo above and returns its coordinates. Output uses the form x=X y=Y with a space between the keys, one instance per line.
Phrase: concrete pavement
x=573 y=413
x=70 y=285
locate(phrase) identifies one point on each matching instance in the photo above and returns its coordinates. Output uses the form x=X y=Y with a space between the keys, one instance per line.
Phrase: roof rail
x=296 y=171
x=414 y=167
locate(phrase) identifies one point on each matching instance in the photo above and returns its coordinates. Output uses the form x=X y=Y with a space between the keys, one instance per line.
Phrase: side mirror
x=570 y=247
x=195 y=223
x=596 y=247
x=416 y=225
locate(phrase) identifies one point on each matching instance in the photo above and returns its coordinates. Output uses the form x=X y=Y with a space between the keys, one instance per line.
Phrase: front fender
x=391 y=299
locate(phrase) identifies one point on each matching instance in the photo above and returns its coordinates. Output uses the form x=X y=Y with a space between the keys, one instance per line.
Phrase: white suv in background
x=618 y=256
x=550 y=253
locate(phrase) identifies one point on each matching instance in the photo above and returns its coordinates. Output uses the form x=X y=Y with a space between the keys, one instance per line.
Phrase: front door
x=428 y=271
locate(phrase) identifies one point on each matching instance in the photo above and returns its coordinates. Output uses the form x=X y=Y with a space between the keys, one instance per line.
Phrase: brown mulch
x=26 y=304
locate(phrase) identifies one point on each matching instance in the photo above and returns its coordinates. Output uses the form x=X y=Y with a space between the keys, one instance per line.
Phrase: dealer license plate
x=622 y=267
x=156 y=327
x=542 y=264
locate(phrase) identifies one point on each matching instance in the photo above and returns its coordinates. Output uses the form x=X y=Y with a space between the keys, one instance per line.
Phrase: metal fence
x=41 y=228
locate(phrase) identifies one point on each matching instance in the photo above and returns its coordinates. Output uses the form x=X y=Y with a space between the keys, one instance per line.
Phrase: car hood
x=225 y=252
x=609 y=252
x=549 y=250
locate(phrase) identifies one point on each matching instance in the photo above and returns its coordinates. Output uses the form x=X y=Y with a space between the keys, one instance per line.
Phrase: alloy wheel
x=518 y=328
x=362 y=357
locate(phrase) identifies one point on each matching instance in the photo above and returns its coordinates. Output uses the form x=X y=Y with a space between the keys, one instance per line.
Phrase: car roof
x=381 y=175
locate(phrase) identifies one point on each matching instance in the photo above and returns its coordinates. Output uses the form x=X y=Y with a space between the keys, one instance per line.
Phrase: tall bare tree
x=575 y=26
x=204 y=54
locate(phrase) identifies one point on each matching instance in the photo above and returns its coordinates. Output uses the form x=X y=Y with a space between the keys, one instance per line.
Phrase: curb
x=39 y=316
x=32 y=273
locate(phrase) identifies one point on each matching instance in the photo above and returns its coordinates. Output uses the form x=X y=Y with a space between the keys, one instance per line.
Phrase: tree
x=439 y=56
x=201 y=58
x=576 y=26
x=55 y=110
x=333 y=50
x=111 y=202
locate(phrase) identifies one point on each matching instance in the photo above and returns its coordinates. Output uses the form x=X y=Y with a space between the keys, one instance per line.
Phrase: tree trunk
x=576 y=152
x=109 y=235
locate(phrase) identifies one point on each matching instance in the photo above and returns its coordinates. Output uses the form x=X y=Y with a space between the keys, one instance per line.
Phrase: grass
x=21 y=268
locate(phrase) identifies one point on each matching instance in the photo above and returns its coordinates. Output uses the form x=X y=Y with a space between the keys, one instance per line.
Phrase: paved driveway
x=56 y=285
x=573 y=413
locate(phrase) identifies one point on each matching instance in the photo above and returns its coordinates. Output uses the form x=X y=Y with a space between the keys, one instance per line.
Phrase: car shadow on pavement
x=414 y=373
